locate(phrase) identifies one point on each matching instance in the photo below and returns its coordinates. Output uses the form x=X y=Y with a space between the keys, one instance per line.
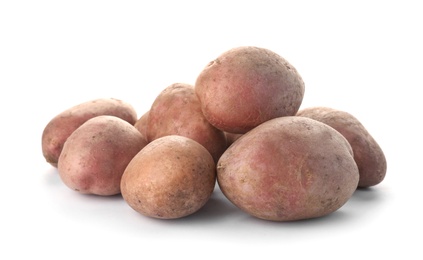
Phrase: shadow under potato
x=52 y=177
x=218 y=208
x=366 y=194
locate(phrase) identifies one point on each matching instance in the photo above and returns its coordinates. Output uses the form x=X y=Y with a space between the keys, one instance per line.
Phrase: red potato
x=288 y=168
x=247 y=86
x=172 y=177
x=231 y=138
x=141 y=124
x=368 y=154
x=62 y=125
x=96 y=154
x=177 y=111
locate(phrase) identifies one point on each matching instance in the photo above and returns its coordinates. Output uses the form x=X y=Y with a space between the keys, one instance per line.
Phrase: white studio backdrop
x=364 y=57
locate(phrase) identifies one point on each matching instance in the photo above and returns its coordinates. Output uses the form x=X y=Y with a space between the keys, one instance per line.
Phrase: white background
x=364 y=57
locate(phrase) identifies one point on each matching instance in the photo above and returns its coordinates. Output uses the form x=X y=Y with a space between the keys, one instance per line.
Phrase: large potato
x=368 y=154
x=96 y=154
x=172 y=177
x=247 y=86
x=288 y=168
x=62 y=125
x=177 y=111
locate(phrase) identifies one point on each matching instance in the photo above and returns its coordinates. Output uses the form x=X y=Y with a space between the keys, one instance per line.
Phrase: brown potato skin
x=368 y=155
x=246 y=86
x=172 y=177
x=177 y=111
x=96 y=154
x=288 y=168
x=62 y=125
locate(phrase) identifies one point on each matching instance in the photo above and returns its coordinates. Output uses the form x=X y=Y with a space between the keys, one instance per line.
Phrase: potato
x=62 y=125
x=172 y=177
x=288 y=168
x=368 y=154
x=246 y=86
x=177 y=111
x=231 y=137
x=96 y=154
x=141 y=124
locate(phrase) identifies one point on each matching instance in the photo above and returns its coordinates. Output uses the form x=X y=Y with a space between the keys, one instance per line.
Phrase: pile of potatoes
x=239 y=126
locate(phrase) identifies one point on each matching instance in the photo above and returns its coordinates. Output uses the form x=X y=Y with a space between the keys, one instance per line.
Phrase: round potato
x=96 y=154
x=288 y=168
x=246 y=86
x=172 y=177
x=62 y=125
x=177 y=111
x=368 y=154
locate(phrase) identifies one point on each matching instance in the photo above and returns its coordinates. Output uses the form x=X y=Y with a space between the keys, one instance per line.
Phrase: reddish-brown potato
x=231 y=138
x=368 y=154
x=177 y=111
x=141 y=124
x=62 y=125
x=247 y=86
x=172 y=177
x=288 y=168
x=96 y=154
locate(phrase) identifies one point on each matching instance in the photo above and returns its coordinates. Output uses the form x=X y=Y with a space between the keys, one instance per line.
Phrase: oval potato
x=368 y=155
x=172 y=177
x=288 y=168
x=246 y=86
x=96 y=154
x=177 y=111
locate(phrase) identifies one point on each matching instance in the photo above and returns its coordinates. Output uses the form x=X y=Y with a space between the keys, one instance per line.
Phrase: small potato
x=141 y=124
x=368 y=154
x=61 y=126
x=246 y=86
x=231 y=138
x=177 y=111
x=288 y=168
x=96 y=154
x=172 y=177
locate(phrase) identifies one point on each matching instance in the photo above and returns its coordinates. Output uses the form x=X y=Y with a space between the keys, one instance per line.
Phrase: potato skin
x=62 y=125
x=96 y=154
x=177 y=111
x=246 y=86
x=172 y=177
x=288 y=168
x=368 y=155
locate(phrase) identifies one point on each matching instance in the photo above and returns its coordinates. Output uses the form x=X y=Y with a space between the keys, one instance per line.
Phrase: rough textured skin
x=96 y=154
x=177 y=111
x=172 y=177
x=368 y=154
x=141 y=124
x=288 y=168
x=62 y=125
x=246 y=86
